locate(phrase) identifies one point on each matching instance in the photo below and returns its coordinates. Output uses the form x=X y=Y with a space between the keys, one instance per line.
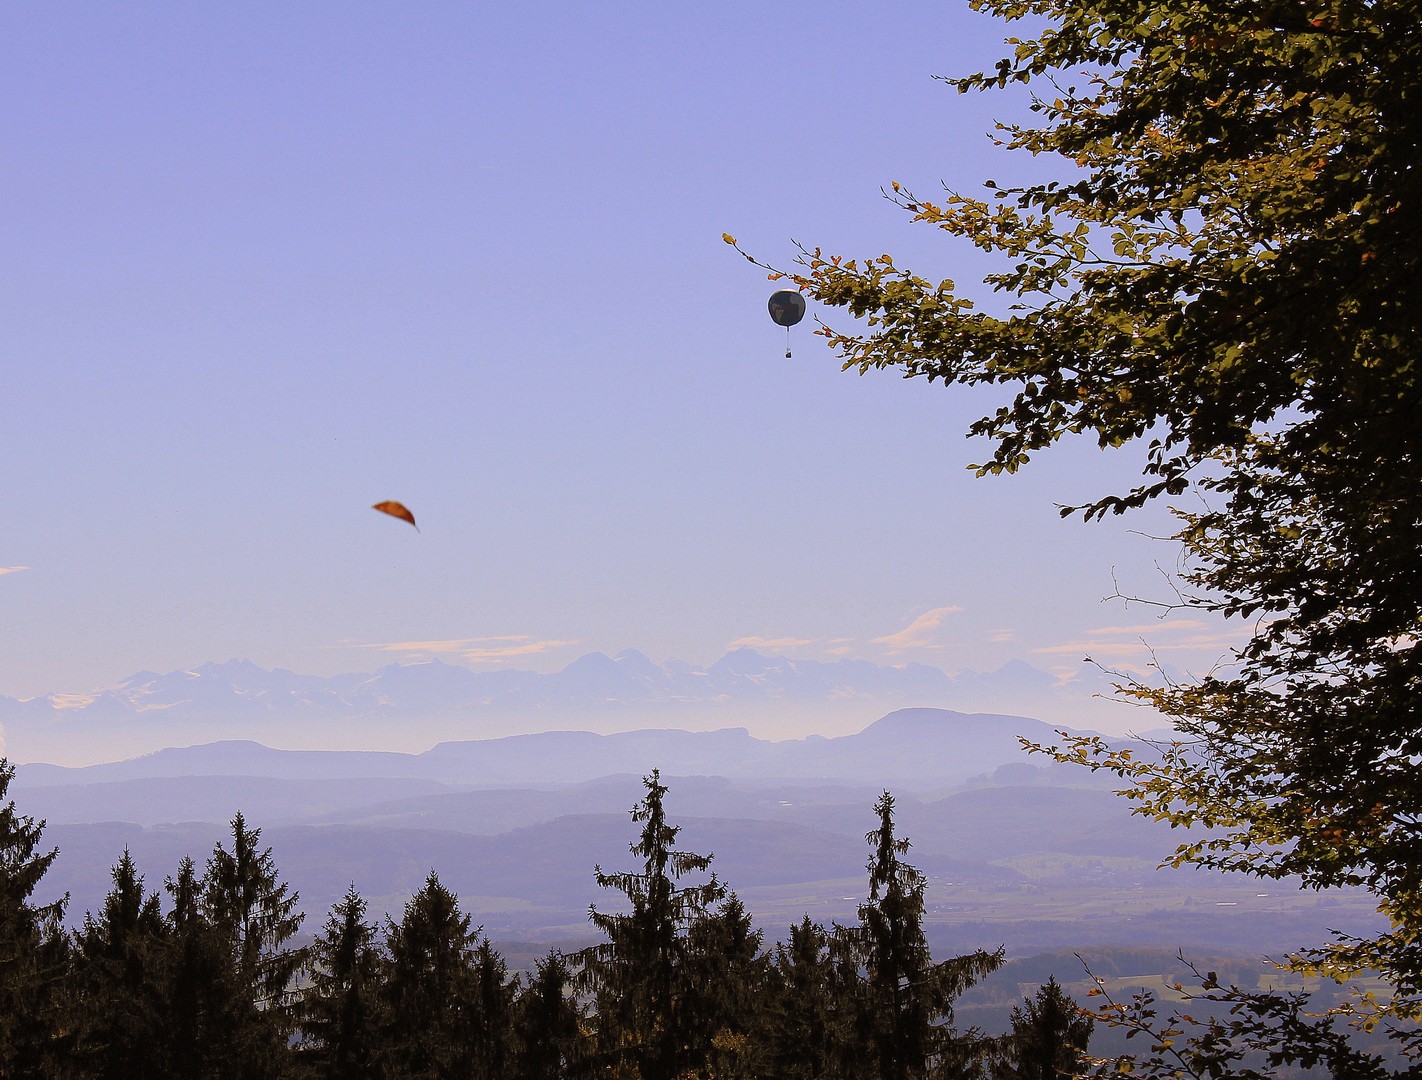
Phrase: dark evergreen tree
x=638 y=977
x=728 y=976
x=434 y=1019
x=121 y=956
x=494 y=994
x=804 y=1024
x=1048 y=1038
x=340 y=1009
x=253 y=917
x=199 y=980
x=547 y=1023
x=33 y=949
x=906 y=1006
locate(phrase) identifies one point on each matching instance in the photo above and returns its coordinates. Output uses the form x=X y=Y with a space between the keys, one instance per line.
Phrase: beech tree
x=1226 y=269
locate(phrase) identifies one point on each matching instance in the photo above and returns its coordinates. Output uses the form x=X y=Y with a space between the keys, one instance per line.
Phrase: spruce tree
x=638 y=977
x=253 y=916
x=547 y=1023
x=199 y=976
x=906 y=1003
x=121 y=956
x=1048 y=1038
x=804 y=1029
x=728 y=975
x=494 y=995
x=340 y=1009
x=33 y=947
x=435 y=988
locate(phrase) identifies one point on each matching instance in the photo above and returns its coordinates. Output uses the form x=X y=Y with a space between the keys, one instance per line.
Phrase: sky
x=268 y=264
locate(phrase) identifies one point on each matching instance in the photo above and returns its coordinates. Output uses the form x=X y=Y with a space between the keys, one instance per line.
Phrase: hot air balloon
x=787 y=307
x=395 y=509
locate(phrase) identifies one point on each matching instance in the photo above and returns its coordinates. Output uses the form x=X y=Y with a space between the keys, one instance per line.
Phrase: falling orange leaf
x=395 y=509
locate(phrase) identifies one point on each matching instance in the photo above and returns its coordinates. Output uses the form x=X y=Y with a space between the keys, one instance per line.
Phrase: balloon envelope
x=787 y=307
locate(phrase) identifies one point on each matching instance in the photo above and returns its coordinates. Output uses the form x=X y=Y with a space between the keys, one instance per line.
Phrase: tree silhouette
x=638 y=977
x=906 y=999
x=435 y=1023
x=339 y=1011
x=806 y=1023
x=248 y=911
x=546 y=1022
x=728 y=978
x=1048 y=1038
x=33 y=947
x=121 y=957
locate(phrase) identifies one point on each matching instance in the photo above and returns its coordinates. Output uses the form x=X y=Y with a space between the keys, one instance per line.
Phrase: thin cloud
x=528 y=648
x=1124 y=642
x=71 y=701
x=1002 y=635
x=1149 y=628
x=449 y=646
x=476 y=650
x=11 y=570
x=754 y=642
x=919 y=633
x=1100 y=647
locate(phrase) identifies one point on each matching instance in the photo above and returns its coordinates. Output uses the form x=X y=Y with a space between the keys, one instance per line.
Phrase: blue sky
x=267 y=264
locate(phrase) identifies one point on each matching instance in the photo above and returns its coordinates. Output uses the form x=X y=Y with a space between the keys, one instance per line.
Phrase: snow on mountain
x=410 y=707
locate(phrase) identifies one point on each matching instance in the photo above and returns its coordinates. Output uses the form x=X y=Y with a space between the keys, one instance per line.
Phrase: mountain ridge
x=411 y=707
x=918 y=747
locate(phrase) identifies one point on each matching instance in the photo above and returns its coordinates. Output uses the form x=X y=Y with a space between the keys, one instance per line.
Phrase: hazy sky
x=267 y=264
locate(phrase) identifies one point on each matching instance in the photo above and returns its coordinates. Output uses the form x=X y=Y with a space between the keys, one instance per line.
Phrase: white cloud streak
x=1161 y=627
x=754 y=642
x=919 y=633
x=478 y=650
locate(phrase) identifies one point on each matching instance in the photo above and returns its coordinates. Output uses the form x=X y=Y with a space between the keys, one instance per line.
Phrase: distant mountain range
x=911 y=748
x=1016 y=851
x=410 y=707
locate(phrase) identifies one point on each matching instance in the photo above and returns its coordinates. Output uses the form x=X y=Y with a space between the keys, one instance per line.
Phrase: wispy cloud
x=919 y=633
x=11 y=570
x=754 y=642
x=474 y=650
x=1002 y=635
x=1162 y=627
x=71 y=701
x=1114 y=642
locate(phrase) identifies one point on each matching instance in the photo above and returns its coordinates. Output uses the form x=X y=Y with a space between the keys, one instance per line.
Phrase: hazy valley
x=1018 y=851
